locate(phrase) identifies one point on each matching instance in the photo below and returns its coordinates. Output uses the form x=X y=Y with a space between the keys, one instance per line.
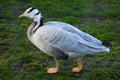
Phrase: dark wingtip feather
x=106 y=43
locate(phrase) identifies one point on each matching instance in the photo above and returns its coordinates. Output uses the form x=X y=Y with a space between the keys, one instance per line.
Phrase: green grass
x=21 y=60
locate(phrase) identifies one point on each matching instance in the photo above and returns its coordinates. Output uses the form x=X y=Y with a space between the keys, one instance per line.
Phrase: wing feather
x=67 y=41
x=76 y=31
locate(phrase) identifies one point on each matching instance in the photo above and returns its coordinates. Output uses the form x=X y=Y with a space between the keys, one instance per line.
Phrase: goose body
x=61 y=40
x=54 y=37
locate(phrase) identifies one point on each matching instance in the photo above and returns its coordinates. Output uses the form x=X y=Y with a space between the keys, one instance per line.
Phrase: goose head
x=32 y=13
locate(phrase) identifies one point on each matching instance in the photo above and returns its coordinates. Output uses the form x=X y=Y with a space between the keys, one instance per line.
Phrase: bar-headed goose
x=60 y=40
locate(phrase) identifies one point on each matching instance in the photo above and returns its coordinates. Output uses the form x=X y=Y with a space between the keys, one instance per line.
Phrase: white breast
x=44 y=35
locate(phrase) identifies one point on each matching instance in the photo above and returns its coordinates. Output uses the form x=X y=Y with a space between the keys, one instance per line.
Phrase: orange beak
x=22 y=15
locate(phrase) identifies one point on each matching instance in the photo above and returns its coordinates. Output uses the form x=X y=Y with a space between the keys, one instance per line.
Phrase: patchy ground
x=19 y=59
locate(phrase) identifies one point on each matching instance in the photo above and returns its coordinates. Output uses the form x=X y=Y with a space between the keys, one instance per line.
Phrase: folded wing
x=69 y=39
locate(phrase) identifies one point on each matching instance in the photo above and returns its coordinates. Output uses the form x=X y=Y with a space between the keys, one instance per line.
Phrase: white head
x=32 y=13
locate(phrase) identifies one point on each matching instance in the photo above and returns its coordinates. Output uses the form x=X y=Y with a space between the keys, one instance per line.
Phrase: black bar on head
x=37 y=13
x=31 y=10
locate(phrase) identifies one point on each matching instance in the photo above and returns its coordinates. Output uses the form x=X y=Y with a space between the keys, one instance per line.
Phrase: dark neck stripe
x=31 y=10
x=41 y=24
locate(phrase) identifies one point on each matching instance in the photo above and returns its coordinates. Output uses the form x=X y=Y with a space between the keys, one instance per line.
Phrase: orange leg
x=79 y=67
x=54 y=70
